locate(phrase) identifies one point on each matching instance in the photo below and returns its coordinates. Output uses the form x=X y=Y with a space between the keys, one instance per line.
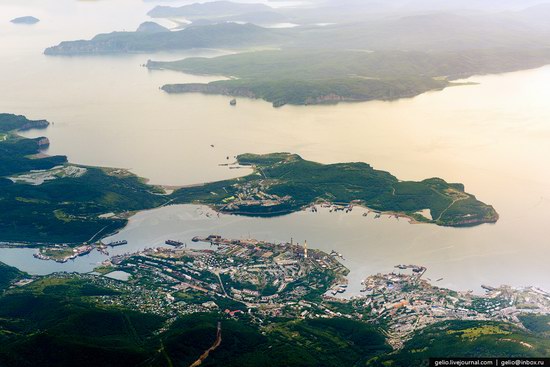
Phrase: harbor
x=368 y=245
x=463 y=258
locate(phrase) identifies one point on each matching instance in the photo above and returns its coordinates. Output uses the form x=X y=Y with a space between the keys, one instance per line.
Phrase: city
x=265 y=280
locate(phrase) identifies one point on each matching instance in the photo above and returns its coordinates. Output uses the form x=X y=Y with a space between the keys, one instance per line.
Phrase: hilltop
x=151 y=27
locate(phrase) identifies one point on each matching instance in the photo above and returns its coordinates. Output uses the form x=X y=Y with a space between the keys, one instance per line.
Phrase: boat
x=233 y=102
x=173 y=243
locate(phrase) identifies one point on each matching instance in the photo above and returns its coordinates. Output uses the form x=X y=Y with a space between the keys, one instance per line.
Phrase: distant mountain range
x=210 y=9
x=389 y=56
x=526 y=29
x=151 y=38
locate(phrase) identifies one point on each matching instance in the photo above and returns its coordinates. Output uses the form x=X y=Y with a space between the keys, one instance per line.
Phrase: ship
x=173 y=243
x=118 y=243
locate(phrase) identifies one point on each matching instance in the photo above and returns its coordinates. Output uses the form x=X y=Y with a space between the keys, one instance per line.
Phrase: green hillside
x=302 y=76
x=283 y=183
x=67 y=206
x=467 y=339
x=8 y=275
x=59 y=321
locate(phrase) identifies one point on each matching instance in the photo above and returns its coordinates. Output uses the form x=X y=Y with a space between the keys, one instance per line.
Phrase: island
x=47 y=201
x=244 y=302
x=25 y=20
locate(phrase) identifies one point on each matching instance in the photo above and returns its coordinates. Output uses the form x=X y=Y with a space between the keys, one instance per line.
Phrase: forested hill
x=283 y=183
x=321 y=76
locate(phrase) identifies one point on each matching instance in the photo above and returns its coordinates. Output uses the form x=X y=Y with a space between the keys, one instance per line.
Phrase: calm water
x=493 y=137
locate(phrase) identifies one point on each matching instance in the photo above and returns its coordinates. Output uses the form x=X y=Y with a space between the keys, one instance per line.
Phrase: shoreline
x=362 y=275
x=214 y=207
x=455 y=80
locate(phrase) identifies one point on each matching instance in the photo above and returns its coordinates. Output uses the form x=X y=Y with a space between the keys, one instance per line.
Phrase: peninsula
x=223 y=35
x=46 y=200
x=304 y=77
x=386 y=58
x=283 y=183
